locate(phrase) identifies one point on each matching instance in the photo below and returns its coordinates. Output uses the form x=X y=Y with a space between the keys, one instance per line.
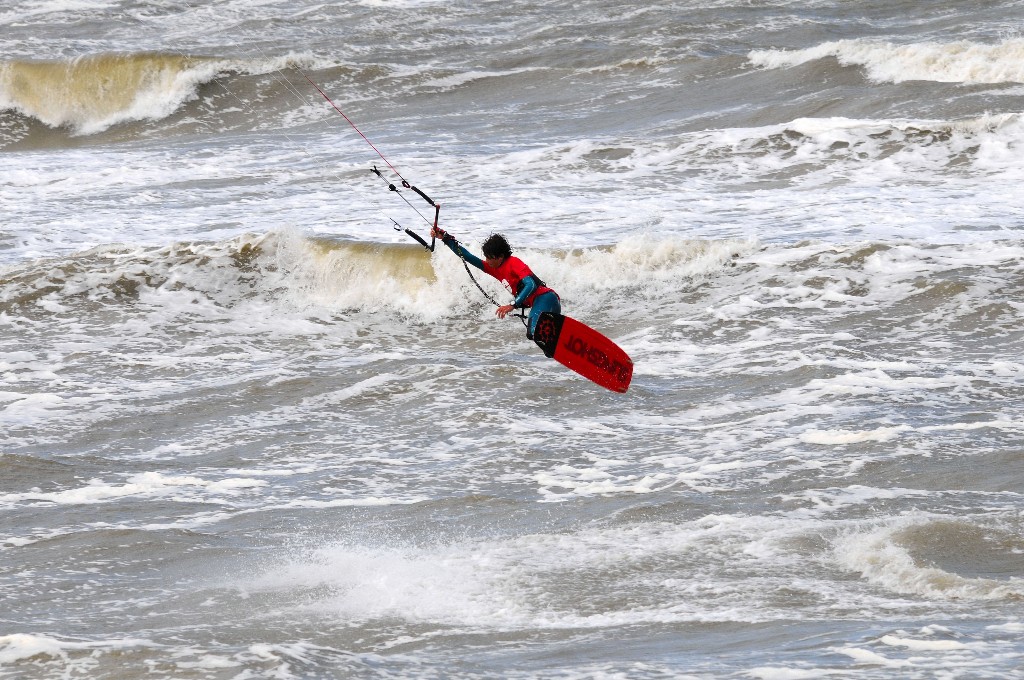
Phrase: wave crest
x=301 y=272
x=937 y=558
x=92 y=93
x=957 y=62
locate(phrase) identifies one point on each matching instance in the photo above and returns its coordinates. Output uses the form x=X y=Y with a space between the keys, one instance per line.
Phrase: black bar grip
x=416 y=236
x=425 y=197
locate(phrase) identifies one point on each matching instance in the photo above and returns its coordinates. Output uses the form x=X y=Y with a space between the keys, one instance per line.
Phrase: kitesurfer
x=530 y=292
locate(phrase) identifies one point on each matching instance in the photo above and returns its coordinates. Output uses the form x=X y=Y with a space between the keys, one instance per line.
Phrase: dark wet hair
x=496 y=246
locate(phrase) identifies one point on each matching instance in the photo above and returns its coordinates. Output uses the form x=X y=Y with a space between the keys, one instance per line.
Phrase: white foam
x=391 y=5
x=782 y=673
x=917 y=645
x=563 y=482
x=521 y=582
x=145 y=484
x=360 y=502
x=31 y=409
x=460 y=79
x=866 y=656
x=840 y=437
x=21 y=646
x=208 y=662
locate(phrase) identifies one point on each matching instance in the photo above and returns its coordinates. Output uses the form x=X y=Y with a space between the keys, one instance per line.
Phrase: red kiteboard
x=579 y=347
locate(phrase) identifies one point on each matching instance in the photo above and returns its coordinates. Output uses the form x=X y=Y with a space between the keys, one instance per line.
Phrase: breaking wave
x=303 y=272
x=957 y=62
x=938 y=290
x=90 y=94
x=935 y=558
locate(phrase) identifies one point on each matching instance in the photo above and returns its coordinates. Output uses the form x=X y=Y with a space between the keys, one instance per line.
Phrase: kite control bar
x=410 y=232
x=392 y=187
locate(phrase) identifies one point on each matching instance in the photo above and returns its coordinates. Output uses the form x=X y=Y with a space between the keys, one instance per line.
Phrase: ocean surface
x=250 y=429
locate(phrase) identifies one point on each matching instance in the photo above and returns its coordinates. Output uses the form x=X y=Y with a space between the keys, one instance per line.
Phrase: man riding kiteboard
x=530 y=291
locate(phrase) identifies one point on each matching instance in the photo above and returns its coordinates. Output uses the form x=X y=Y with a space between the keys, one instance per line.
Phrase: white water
x=250 y=430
